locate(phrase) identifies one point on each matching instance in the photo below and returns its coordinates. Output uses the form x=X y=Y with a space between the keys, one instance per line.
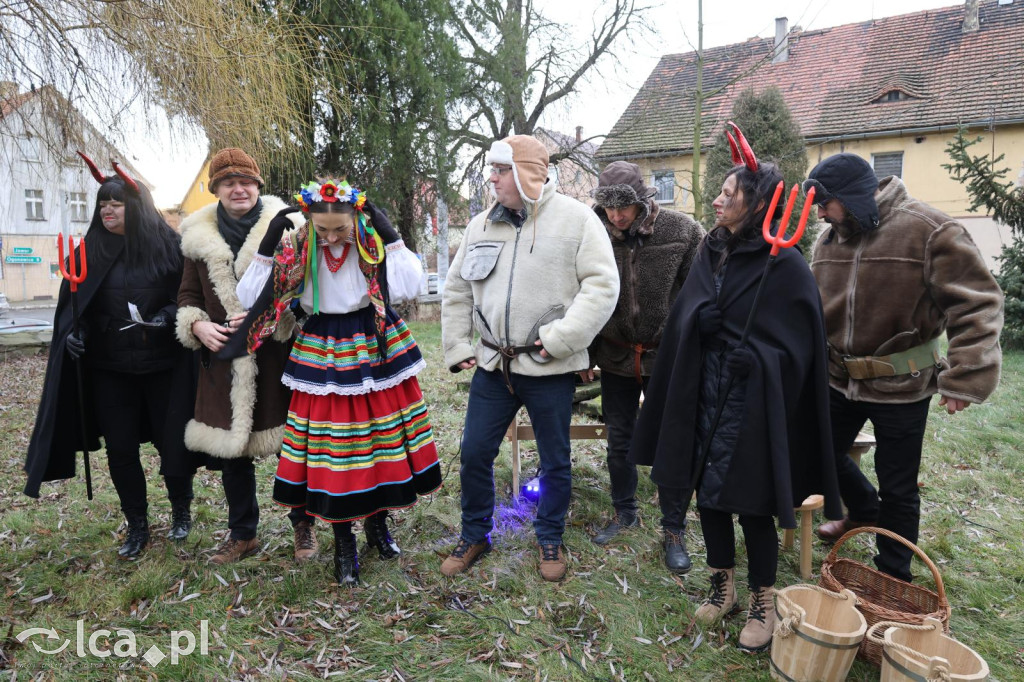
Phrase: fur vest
x=916 y=276
x=652 y=270
x=241 y=404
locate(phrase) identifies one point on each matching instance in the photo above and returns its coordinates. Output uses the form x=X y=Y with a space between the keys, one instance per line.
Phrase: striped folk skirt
x=358 y=437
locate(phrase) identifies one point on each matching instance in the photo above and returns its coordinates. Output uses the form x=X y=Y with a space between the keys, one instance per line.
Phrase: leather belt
x=638 y=352
x=910 y=361
x=508 y=353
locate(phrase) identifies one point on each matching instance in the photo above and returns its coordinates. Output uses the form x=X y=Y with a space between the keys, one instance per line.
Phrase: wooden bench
x=520 y=431
x=805 y=512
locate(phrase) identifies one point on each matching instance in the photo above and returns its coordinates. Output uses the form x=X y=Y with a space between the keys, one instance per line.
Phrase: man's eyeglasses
x=500 y=170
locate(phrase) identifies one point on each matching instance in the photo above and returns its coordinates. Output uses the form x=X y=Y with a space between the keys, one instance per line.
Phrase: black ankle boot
x=378 y=536
x=346 y=559
x=136 y=537
x=181 y=519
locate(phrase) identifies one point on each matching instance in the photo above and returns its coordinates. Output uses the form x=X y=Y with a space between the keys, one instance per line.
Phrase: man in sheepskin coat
x=894 y=274
x=241 y=404
x=535 y=278
x=653 y=250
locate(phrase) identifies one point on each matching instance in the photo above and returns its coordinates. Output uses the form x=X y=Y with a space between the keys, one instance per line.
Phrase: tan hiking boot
x=232 y=550
x=306 y=545
x=721 y=600
x=552 y=563
x=761 y=616
x=463 y=556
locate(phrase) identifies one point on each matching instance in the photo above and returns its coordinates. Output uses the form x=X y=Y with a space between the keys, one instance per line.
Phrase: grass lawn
x=618 y=615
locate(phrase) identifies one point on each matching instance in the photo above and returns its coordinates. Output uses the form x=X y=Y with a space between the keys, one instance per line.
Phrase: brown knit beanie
x=232 y=162
x=529 y=160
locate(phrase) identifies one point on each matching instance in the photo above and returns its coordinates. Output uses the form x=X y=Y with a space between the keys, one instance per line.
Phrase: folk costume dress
x=358 y=438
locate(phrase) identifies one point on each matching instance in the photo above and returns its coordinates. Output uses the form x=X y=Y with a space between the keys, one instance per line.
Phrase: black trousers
x=620 y=403
x=759 y=536
x=130 y=408
x=896 y=505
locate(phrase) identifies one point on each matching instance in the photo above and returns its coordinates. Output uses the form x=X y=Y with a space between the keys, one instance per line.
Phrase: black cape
x=56 y=436
x=782 y=451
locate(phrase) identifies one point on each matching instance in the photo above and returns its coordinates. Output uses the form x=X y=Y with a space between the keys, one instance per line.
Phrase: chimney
x=971 y=23
x=579 y=134
x=781 y=40
x=8 y=90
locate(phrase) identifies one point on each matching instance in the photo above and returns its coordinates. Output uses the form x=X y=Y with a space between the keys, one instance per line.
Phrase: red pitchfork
x=76 y=276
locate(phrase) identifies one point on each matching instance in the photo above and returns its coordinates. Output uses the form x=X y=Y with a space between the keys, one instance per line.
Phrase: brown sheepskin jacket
x=916 y=276
x=652 y=268
x=241 y=404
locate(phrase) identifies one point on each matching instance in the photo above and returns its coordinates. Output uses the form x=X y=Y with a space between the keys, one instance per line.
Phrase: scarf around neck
x=235 y=230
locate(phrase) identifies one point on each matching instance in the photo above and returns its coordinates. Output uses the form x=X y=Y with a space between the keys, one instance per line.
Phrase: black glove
x=161 y=319
x=75 y=344
x=278 y=224
x=379 y=219
x=709 y=320
x=739 y=362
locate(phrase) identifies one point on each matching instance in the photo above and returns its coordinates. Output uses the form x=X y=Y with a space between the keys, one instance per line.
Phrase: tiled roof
x=833 y=77
x=11 y=102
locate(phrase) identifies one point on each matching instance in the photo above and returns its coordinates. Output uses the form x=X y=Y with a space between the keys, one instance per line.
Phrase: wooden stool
x=806 y=522
x=863 y=443
x=518 y=432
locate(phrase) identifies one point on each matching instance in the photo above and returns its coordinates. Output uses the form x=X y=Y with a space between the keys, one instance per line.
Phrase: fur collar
x=201 y=241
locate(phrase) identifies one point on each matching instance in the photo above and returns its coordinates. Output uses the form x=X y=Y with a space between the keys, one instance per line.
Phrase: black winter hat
x=849 y=179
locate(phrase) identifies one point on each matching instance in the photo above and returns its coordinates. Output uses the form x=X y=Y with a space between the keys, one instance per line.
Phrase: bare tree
x=521 y=64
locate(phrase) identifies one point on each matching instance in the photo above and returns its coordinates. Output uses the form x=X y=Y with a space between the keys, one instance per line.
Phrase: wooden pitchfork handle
x=71 y=273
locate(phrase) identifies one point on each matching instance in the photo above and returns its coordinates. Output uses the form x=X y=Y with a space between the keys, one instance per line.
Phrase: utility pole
x=698 y=101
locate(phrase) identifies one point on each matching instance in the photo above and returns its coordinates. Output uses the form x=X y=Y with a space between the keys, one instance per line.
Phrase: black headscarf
x=235 y=230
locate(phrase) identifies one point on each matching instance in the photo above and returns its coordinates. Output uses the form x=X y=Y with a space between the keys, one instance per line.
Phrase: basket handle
x=939 y=586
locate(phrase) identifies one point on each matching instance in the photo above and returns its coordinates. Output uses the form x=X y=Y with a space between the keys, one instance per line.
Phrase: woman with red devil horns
x=139 y=385
x=766 y=387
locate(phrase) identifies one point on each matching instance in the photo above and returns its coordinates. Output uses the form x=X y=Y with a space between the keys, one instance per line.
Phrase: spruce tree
x=774 y=136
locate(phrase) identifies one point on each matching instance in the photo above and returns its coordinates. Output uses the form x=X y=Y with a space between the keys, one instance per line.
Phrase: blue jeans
x=491 y=408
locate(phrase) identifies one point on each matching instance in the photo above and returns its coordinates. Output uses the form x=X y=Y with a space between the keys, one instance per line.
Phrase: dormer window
x=893 y=96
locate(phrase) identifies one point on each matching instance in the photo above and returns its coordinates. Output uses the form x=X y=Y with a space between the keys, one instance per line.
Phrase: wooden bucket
x=817 y=635
x=922 y=653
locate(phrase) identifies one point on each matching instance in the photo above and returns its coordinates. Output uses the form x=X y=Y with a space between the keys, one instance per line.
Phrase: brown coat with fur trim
x=916 y=276
x=652 y=269
x=241 y=404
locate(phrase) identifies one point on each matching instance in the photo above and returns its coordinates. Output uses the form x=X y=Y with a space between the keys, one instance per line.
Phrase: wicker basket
x=883 y=597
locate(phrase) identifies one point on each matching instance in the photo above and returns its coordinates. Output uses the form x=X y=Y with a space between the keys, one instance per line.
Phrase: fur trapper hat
x=621 y=184
x=232 y=162
x=529 y=160
x=852 y=182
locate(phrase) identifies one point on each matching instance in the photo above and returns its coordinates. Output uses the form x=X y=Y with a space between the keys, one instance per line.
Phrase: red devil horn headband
x=124 y=176
x=744 y=154
x=93 y=169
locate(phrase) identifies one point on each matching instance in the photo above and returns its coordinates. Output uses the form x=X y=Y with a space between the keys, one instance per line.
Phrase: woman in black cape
x=139 y=381
x=771 y=447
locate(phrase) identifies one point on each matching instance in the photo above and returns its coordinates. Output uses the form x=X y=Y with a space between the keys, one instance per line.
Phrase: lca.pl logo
x=182 y=643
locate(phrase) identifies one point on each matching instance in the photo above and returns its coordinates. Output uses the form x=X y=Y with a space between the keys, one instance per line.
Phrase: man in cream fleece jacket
x=536 y=280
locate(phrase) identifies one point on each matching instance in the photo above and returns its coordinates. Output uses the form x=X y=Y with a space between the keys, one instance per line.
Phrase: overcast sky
x=171 y=165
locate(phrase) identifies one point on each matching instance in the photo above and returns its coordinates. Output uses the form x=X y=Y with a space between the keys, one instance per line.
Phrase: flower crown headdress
x=330 y=191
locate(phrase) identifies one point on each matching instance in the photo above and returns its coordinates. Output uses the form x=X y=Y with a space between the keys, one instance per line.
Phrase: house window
x=77 y=206
x=32 y=149
x=665 y=182
x=890 y=163
x=202 y=186
x=34 y=204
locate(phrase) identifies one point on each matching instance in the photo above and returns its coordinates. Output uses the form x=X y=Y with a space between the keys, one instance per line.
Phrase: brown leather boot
x=830 y=531
x=761 y=616
x=721 y=600
x=552 y=562
x=463 y=556
x=306 y=544
x=232 y=550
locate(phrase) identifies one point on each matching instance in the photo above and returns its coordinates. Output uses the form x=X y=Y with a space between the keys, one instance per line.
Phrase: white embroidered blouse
x=343 y=291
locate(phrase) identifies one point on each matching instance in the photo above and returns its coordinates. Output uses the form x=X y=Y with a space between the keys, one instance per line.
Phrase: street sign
x=23 y=250
x=23 y=259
